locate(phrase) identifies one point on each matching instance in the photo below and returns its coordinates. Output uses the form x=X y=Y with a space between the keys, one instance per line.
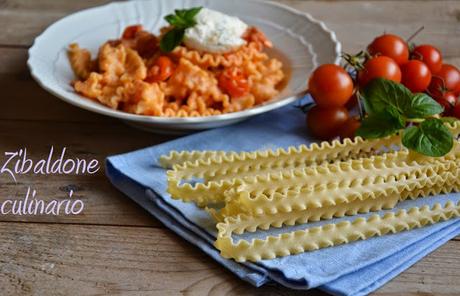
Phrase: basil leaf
x=171 y=19
x=431 y=138
x=421 y=106
x=180 y=12
x=185 y=18
x=192 y=12
x=176 y=21
x=172 y=39
x=380 y=125
x=181 y=20
x=381 y=93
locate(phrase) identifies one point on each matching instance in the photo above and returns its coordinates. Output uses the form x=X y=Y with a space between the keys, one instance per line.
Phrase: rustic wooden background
x=117 y=248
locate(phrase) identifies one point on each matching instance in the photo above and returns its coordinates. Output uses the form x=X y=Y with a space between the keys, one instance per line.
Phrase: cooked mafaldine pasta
x=211 y=71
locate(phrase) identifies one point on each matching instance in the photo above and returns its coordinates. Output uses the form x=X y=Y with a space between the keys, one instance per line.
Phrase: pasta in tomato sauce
x=134 y=75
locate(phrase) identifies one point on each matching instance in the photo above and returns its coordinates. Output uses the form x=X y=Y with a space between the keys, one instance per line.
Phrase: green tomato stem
x=360 y=107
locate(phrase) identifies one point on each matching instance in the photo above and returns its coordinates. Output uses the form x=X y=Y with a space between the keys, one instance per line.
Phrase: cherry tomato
x=146 y=44
x=451 y=76
x=430 y=55
x=131 y=31
x=234 y=82
x=456 y=111
x=325 y=123
x=391 y=46
x=379 y=67
x=416 y=76
x=330 y=86
x=445 y=80
x=448 y=101
x=352 y=102
x=161 y=70
x=349 y=128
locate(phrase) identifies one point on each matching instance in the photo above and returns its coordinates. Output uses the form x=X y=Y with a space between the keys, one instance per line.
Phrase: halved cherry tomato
x=349 y=128
x=391 y=46
x=430 y=55
x=253 y=34
x=131 y=31
x=445 y=80
x=330 y=86
x=234 y=82
x=325 y=122
x=416 y=76
x=161 y=70
x=379 y=67
x=448 y=101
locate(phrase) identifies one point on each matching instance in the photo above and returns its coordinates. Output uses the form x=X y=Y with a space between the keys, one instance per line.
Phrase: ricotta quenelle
x=215 y=32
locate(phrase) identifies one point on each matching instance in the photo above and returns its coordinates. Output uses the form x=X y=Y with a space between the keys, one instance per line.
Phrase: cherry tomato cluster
x=388 y=56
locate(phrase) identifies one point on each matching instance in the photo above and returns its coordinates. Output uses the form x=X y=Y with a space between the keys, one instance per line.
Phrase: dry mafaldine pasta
x=266 y=189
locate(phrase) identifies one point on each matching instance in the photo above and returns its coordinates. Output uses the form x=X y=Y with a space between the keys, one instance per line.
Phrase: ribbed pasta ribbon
x=247 y=191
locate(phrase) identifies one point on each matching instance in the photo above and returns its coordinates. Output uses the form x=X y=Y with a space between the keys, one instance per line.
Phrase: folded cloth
x=357 y=268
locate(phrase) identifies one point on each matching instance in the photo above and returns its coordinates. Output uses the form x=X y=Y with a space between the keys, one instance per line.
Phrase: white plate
x=300 y=41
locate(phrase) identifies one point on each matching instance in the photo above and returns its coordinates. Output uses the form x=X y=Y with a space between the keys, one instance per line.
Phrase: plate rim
x=174 y=120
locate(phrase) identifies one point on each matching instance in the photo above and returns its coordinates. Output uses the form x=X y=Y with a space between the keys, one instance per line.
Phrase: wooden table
x=115 y=247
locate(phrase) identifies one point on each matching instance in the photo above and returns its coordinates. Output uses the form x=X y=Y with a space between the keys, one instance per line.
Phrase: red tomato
x=379 y=67
x=430 y=55
x=391 y=46
x=456 y=111
x=349 y=128
x=161 y=70
x=330 y=86
x=415 y=76
x=325 y=123
x=146 y=44
x=131 y=31
x=445 y=80
x=352 y=102
x=234 y=82
x=448 y=101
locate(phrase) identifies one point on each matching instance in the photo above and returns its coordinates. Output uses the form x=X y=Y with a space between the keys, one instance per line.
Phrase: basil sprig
x=180 y=20
x=392 y=108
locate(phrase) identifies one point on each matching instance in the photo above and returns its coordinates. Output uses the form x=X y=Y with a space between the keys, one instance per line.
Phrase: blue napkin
x=353 y=269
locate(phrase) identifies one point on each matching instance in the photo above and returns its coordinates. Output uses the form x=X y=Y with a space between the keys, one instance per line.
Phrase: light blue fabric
x=352 y=269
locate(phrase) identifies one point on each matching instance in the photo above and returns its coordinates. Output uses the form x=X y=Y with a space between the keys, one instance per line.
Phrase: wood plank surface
x=115 y=247
x=101 y=260
x=356 y=22
x=103 y=203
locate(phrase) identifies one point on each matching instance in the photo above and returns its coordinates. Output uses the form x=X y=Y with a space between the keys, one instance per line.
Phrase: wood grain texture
x=116 y=247
x=356 y=23
x=26 y=19
x=100 y=260
x=103 y=203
